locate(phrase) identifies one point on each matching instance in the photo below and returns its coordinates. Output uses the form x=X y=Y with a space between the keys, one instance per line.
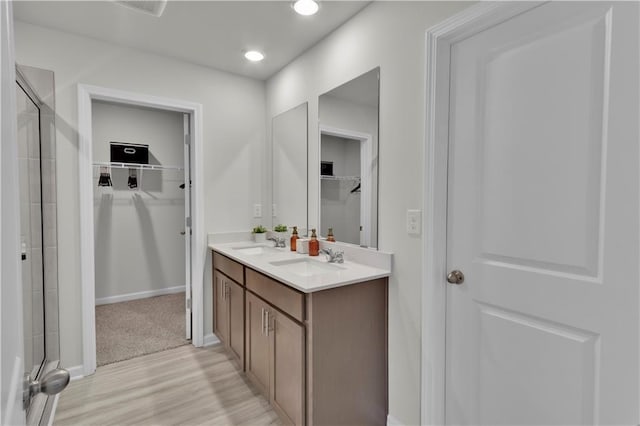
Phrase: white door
x=543 y=219
x=11 y=328
x=187 y=221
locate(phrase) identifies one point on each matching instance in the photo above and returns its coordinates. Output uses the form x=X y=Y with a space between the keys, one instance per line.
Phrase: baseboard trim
x=210 y=340
x=139 y=295
x=76 y=372
x=392 y=421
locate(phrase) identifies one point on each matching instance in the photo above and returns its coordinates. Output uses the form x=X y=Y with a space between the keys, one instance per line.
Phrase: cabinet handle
x=267 y=328
x=262 y=329
x=226 y=290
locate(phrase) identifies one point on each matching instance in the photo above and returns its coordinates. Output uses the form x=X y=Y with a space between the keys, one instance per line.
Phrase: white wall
x=138 y=246
x=390 y=35
x=233 y=130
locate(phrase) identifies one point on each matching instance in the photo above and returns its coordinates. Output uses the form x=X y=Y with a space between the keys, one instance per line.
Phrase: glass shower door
x=31 y=231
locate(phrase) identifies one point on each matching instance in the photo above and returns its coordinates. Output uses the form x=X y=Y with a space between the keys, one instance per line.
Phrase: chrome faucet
x=333 y=256
x=280 y=242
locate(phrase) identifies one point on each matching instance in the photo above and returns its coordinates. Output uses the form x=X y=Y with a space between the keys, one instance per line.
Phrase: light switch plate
x=414 y=222
x=257 y=210
x=274 y=210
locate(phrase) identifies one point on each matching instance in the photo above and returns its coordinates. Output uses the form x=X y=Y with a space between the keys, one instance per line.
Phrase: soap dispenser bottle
x=294 y=238
x=314 y=244
x=330 y=237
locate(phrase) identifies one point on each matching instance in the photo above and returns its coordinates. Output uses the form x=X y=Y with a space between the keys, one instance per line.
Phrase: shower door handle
x=52 y=383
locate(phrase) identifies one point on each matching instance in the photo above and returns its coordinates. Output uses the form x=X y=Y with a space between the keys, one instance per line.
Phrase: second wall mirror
x=289 y=136
x=348 y=181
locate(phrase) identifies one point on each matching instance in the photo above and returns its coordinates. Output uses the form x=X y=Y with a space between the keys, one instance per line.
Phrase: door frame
x=438 y=42
x=86 y=94
x=366 y=154
x=11 y=328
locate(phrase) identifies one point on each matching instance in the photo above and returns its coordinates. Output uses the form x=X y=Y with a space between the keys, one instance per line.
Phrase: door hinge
x=188 y=303
x=188 y=221
x=187 y=139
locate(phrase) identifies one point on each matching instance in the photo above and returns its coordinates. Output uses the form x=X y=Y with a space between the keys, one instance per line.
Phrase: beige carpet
x=130 y=329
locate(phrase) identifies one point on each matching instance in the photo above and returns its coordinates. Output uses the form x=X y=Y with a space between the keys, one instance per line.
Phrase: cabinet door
x=235 y=306
x=287 y=361
x=257 y=343
x=220 y=313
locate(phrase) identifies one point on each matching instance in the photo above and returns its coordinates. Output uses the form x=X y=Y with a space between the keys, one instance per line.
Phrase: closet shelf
x=136 y=166
x=351 y=178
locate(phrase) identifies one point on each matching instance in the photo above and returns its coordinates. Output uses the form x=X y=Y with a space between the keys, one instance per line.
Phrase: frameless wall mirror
x=348 y=181
x=289 y=136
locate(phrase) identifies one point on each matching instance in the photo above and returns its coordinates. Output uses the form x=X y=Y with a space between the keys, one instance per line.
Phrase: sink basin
x=255 y=249
x=306 y=267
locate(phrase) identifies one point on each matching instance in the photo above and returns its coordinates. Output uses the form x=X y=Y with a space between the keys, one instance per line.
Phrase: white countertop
x=345 y=273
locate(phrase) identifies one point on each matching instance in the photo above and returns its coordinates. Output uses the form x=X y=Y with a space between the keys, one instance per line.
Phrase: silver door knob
x=52 y=383
x=455 y=277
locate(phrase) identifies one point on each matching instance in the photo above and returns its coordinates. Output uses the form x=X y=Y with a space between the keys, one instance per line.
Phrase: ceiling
x=210 y=33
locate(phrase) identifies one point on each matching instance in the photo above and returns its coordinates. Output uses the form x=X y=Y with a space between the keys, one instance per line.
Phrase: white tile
x=33 y=135
x=51 y=311
x=49 y=223
x=23 y=167
x=26 y=274
x=47 y=146
x=37 y=312
x=38 y=348
x=36 y=266
x=34 y=180
x=48 y=181
x=53 y=345
x=23 y=146
x=51 y=268
x=25 y=222
x=36 y=226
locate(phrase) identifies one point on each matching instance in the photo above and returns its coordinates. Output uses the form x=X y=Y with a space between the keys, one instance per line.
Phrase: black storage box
x=129 y=153
x=326 y=168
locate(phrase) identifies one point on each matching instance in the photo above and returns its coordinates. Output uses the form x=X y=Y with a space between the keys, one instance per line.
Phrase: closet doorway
x=142 y=250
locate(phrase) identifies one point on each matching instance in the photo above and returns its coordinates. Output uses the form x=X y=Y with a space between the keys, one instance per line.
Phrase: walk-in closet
x=140 y=186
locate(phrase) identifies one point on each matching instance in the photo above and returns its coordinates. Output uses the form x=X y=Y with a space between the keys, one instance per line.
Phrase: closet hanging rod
x=137 y=166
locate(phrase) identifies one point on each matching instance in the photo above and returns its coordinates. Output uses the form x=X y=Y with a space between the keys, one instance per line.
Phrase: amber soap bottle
x=330 y=237
x=314 y=244
x=294 y=238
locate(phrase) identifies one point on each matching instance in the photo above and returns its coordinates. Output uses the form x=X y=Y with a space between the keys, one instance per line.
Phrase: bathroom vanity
x=312 y=336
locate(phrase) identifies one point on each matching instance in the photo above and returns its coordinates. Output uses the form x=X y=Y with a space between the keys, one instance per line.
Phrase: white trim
x=76 y=372
x=87 y=93
x=392 y=421
x=438 y=42
x=366 y=153
x=139 y=295
x=210 y=340
x=11 y=329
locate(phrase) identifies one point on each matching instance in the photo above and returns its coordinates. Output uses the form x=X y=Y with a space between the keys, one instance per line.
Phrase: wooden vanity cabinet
x=229 y=305
x=275 y=345
x=320 y=358
x=257 y=344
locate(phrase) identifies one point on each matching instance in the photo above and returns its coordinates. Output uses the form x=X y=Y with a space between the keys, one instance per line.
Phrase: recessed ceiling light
x=306 y=7
x=254 y=56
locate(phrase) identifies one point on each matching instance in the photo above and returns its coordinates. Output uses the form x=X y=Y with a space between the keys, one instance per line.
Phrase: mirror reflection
x=348 y=117
x=289 y=136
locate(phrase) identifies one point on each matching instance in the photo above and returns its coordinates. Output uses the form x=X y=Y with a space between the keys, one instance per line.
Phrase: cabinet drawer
x=285 y=298
x=229 y=267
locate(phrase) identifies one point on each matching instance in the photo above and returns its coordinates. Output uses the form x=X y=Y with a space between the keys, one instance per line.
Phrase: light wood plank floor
x=182 y=386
